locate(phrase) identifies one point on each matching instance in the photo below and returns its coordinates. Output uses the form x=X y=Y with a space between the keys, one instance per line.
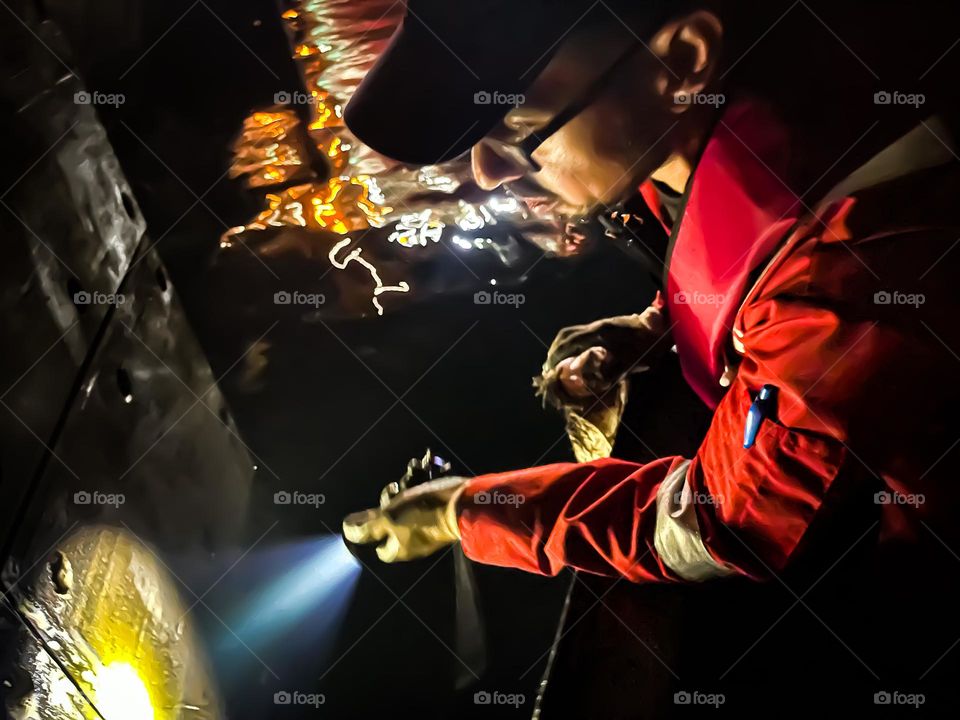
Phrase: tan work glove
x=586 y=371
x=413 y=523
x=586 y=362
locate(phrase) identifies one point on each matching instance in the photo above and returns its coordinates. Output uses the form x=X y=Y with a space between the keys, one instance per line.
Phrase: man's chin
x=556 y=225
x=571 y=230
x=561 y=237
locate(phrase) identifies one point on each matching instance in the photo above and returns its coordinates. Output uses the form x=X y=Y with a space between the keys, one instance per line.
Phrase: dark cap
x=453 y=70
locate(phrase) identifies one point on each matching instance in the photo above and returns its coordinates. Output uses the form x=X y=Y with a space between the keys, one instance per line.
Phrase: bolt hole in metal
x=61 y=573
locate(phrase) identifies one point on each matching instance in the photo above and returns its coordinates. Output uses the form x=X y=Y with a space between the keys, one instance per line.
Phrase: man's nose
x=491 y=170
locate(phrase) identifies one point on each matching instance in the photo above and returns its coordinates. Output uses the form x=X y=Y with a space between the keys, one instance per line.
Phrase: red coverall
x=851 y=312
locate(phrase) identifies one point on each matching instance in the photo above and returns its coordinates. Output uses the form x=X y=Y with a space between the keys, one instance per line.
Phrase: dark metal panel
x=117 y=451
x=150 y=472
x=149 y=443
x=70 y=228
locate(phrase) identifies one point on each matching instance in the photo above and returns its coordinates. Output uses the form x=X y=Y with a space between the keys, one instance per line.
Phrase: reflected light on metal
x=335 y=43
x=269 y=150
x=111 y=612
x=120 y=694
x=354 y=256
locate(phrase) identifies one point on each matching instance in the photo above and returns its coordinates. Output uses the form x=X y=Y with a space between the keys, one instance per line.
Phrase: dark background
x=324 y=415
x=191 y=73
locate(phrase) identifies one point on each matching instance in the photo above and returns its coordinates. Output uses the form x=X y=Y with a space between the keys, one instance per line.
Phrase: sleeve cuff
x=677 y=535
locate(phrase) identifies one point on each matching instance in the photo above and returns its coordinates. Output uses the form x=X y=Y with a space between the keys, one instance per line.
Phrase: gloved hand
x=585 y=375
x=586 y=370
x=412 y=523
x=586 y=364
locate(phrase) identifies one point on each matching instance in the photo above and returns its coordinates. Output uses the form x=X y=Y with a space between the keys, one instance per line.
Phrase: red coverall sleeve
x=597 y=516
x=753 y=506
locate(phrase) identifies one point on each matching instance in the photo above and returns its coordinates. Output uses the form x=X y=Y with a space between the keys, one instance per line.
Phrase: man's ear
x=689 y=48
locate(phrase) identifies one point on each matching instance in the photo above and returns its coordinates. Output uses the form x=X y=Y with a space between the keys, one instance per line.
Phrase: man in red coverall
x=811 y=291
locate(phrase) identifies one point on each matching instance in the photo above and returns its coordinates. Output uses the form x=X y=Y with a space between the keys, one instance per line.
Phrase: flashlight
x=429 y=467
x=419 y=471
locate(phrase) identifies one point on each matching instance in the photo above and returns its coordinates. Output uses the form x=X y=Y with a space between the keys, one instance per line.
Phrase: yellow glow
x=327 y=110
x=120 y=694
x=269 y=151
x=334 y=144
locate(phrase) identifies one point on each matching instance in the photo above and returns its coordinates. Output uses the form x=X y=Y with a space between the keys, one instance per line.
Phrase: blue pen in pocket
x=764 y=406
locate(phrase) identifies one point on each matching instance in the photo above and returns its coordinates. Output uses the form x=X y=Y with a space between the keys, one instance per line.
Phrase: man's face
x=602 y=154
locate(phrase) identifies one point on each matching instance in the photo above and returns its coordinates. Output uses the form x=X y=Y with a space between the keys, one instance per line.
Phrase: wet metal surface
x=115 y=443
x=67 y=235
x=333 y=401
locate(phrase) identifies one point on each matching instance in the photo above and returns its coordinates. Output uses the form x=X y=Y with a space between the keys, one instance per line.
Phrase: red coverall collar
x=738 y=208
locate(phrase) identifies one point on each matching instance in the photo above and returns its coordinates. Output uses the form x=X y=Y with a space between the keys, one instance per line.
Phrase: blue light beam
x=303 y=592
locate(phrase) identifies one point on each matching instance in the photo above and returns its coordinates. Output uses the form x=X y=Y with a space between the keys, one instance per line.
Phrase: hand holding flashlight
x=417 y=515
